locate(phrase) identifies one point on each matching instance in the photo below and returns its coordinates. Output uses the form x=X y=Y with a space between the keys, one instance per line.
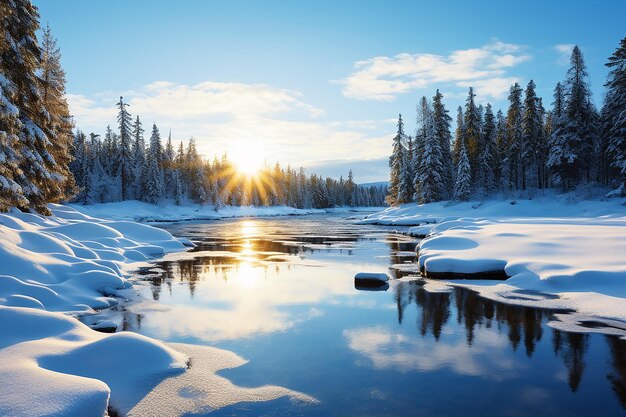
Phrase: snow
x=140 y=211
x=70 y=263
x=556 y=252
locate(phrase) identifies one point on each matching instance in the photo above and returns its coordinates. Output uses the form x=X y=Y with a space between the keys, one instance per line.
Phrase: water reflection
x=282 y=292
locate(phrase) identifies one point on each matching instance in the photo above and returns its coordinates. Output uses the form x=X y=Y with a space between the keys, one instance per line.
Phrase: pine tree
x=471 y=121
x=428 y=178
x=441 y=122
x=486 y=180
x=138 y=152
x=52 y=81
x=153 y=175
x=514 y=136
x=561 y=155
x=20 y=63
x=459 y=136
x=532 y=127
x=125 y=161
x=501 y=163
x=396 y=163
x=168 y=167
x=462 y=186
x=614 y=117
x=580 y=121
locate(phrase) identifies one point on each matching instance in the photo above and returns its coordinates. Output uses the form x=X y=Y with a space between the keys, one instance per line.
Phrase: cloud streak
x=383 y=78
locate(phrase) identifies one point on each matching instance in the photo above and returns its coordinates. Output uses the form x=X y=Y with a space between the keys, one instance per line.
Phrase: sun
x=247 y=158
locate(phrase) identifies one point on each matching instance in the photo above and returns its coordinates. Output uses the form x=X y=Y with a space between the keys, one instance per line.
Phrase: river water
x=280 y=293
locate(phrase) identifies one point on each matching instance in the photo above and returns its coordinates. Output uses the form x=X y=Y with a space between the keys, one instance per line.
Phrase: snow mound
x=67 y=262
x=72 y=370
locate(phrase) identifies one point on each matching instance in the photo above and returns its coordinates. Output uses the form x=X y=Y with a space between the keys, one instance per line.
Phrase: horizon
x=246 y=75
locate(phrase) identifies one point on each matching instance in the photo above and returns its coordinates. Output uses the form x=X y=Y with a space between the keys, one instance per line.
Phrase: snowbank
x=556 y=206
x=51 y=363
x=553 y=253
x=140 y=211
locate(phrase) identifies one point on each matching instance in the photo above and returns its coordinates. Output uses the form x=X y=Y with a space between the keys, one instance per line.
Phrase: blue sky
x=315 y=83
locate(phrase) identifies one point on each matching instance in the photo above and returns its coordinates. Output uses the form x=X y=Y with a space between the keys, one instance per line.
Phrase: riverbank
x=55 y=268
x=145 y=212
x=558 y=253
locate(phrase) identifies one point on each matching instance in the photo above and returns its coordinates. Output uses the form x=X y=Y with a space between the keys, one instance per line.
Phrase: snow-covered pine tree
x=560 y=153
x=396 y=162
x=138 y=151
x=471 y=120
x=463 y=181
x=428 y=178
x=59 y=123
x=532 y=126
x=459 y=135
x=614 y=116
x=514 y=136
x=11 y=194
x=580 y=122
x=351 y=189
x=486 y=181
x=441 y=123
x=152 y=177
x=125 y=158
x=501 y=161
x=20 y=60
x=168 y=167
x=99 y=182
x=81 y=166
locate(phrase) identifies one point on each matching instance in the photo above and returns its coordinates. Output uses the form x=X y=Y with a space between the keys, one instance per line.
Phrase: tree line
x=122 y=166
x=528 y=147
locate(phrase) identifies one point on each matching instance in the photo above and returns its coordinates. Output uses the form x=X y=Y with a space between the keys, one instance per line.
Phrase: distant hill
x=375 y=184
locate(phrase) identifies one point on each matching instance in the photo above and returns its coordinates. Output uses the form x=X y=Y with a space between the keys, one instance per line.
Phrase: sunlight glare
x=248 y=158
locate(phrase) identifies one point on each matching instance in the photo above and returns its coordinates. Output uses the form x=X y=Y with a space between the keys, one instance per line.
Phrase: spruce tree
x=138 y=151
x=152 y=188
x=125 y=160
x=396 y=164
x=429 y=177
x=486 y=180
x=532 y=127
x=580 y=121
x=462 y=186
x=501 y=162
x=560 y=153
x=459 y=135
x=471 y=120
x=59 y=123
x=514 y=136
x=441 y=122
x=614 y=117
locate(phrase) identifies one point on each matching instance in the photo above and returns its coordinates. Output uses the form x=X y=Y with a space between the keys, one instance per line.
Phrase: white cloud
x=383 y=78
x=564 y=51
x=224 y=117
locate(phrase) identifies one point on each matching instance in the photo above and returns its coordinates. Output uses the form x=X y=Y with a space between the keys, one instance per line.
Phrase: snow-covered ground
x=140 y=211
x=556 y=252
x=52 y=364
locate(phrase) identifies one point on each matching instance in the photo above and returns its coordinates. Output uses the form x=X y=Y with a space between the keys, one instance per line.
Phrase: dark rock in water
x=378 y=287
x=371 y=279
x=109 y=329
x=488 y=275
